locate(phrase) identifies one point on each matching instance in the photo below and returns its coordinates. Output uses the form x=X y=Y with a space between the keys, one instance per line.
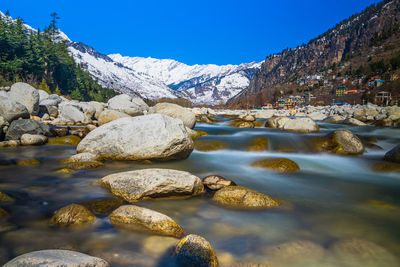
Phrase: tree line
x=42 y=59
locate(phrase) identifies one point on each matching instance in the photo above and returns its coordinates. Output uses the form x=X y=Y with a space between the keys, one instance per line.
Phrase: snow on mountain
x=116 y=76
x=202 y=84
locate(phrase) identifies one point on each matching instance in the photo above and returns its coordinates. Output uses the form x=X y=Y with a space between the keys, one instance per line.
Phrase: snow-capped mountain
x=202 y=84
x=118 y=77
x=157 y=78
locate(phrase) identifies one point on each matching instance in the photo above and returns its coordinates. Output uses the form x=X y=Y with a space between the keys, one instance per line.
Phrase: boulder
x=139 y=219
x=26 y=95
x=343 y=142
x=240 y=197
x=123 y=103
x=216 y=182
x=365 y=114
x=152 y=183
x=258 y=144
x=43 y=95
x=27 y=126
x=387 y=122
x=82 y=157
x=110 y=115
x=317 y=116
x=33 y=139
x=140 y=103
x=242 y=124
x=99 y=107
x=55 y=258
x=73 y=214
x=276 y=122
x=72 y=113
x=248 y=117
x=175 y=111
x=302 y=125
x=264 y=114
x=393 y=155
x=69 y=140
x=149 y=137
x=194 y=250
x=334 y=119
x=281 y=165
x=11 y=110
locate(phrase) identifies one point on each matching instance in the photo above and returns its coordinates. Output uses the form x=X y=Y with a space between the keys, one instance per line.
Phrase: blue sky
x=193 y=32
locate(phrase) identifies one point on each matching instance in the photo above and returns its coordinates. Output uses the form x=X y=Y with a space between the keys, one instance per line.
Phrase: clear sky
x=193 y=32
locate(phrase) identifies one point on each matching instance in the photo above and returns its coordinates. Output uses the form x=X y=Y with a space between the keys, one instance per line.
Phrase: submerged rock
x=84 y=165
x=28 y=162
x=150 y=137
x=56 y=257
x=216 y=182
x=243 y=198
x=358 y=252
x=298 y=253
x=194 y=250
x=69 y=140
x=139 y=219
x=393 y=155
x=73 y=214
x=209 y=145
x=27 y=126
x=386 y=167
x=343 y=142
x=175 y=111
x=5 y=198
x=152 y=183
x=26 y=95
x=281 y=165
x=258 y=144
x=242 y=124
x=103 y=206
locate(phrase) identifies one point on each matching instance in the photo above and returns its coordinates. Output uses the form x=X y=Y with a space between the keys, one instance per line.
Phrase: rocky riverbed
x=133 y=185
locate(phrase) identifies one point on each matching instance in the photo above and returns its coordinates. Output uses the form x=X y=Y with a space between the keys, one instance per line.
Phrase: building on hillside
x=383 y=98
x=340 y=90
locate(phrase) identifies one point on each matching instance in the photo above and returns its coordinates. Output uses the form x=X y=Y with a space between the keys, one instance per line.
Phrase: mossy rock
x=216 y=182
x=242 y=124
x=198 y=134
x=209 y=145
x=65 y=171
x=258 y=144
x=69 y=140
x=341 y=142
x=5 y=198
x=386 y=167
x=194 y=250
x=240 y=197
x=73 y=214
x=141 y=219
x=259 y=124
x=28 y=162
x=84 y=165
x=3 y=213
x=103 y=206
x=281 y=165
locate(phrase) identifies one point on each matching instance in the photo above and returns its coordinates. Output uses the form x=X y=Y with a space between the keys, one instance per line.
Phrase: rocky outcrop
x=139 y=219
x=152 y=183
x=56 y=257
x=150 y=137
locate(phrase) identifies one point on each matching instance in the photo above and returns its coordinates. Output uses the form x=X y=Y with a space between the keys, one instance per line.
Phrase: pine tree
x=43 y=86
x=57 y=91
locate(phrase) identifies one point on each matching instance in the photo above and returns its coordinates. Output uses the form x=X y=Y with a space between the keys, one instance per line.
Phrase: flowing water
x=333 y=198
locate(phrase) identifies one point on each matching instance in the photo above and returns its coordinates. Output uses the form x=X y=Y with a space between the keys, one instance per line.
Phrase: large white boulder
x=175 y=111
x=73 y=113
x=151 y=137
x=26 y=95
x=123 y=103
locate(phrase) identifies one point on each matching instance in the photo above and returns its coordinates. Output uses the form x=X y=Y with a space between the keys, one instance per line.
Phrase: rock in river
x=138 y=218
x=73 y=214
x=278 y=164
x=152 y=183
x=33 y=139
x=150 y=137
x=343 y=142
x=243 y=198
x=393 y=155
x=194 y=250
x=56 y=257
x=176 y=111
x=216 y=182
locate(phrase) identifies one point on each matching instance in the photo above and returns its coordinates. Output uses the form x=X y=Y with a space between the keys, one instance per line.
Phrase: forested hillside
x=43 y=60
